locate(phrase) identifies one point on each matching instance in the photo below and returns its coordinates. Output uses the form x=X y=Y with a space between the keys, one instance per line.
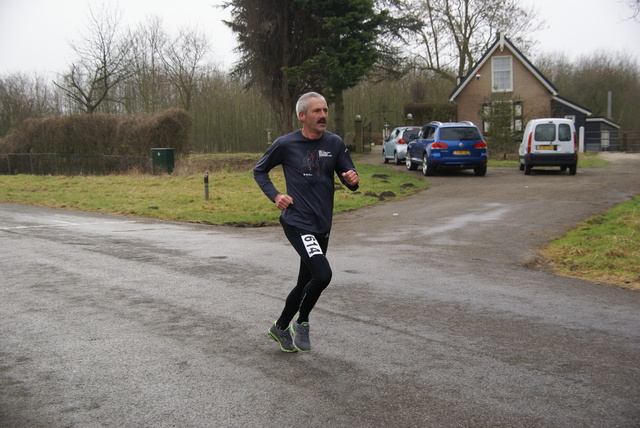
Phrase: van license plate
x=545 y=148
x=461 y=152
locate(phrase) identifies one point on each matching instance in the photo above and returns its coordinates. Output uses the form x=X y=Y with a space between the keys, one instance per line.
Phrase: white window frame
x=515 y=108
x=486 y=112
x=494 y=71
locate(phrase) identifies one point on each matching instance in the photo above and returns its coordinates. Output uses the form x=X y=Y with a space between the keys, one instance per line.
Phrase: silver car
x=395 y=147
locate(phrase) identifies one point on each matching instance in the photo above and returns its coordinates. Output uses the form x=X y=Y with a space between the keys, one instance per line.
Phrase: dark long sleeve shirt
x=309 y=167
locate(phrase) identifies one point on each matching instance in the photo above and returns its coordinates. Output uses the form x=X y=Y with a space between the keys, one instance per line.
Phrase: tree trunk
x=284 y=112
x=339 y=115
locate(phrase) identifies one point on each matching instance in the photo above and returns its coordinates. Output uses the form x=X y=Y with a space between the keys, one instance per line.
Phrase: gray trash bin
x=162 y=161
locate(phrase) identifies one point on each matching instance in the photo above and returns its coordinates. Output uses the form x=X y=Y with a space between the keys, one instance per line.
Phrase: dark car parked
x=448 y=145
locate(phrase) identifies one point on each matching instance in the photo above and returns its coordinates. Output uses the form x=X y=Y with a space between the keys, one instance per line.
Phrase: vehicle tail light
x=529 y=142
x=402 y=141
x=481 y=145
x=439 y=145
x=575 y=142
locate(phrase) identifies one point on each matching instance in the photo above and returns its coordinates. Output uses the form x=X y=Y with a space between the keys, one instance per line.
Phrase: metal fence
x=614 y=141
x=71 y=164
x=630 y=141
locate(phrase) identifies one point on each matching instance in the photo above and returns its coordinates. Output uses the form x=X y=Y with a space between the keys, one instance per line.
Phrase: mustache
x=322 y=120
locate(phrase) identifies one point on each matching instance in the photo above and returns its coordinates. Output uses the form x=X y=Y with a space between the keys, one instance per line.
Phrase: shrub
x=129 y=135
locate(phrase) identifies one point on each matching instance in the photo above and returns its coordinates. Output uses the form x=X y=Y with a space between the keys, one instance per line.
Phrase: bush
x=128 y=135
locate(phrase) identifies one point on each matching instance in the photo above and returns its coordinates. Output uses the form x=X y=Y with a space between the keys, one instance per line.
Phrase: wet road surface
x=435 y=316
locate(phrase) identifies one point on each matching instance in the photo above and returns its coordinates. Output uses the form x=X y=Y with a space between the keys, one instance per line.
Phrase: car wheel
x=384 y=157
x=426 y=168
x=481 y=171
x=411 y=166
x=395 y=157
x=573 y=169
x=527 y=170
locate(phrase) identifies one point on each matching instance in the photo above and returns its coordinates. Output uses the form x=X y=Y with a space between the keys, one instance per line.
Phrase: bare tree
x=23 y=97
x=635 y=8
x=588 y=80
x=103 y=61
x=457 y=32
x=184 y=60
x=148 y=79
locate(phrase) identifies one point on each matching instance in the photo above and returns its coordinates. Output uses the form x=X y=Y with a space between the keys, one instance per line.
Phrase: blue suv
x=448 y=145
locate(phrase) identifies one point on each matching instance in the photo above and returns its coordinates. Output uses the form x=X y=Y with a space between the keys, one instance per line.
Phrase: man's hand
x=282 y=201
x=351 y=177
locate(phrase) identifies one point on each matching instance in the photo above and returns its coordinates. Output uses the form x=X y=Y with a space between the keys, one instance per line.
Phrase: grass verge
x=234 y=197
x=604 y=248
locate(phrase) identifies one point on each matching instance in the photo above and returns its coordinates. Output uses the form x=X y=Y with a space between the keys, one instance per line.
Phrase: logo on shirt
x=312 y=164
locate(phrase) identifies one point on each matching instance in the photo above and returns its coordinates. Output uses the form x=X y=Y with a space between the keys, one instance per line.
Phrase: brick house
x=505 y=84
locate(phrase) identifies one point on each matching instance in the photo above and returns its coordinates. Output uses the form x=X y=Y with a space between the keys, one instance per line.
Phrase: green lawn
x=234 y=197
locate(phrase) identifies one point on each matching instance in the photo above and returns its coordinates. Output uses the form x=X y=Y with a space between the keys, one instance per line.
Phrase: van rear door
x=553 y=137
x=566 y=139
x=544 y=138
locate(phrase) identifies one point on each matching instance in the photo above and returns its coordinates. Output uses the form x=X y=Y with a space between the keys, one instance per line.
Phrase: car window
x=564 y=132
x=430 y=133
x=545 y=132
x=459 y=134
x=410 y=134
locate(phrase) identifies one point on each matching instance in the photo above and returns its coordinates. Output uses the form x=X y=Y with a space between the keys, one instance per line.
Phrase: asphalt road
x=437 y=316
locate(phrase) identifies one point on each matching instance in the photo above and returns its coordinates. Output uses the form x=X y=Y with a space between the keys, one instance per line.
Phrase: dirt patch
x=620 y=157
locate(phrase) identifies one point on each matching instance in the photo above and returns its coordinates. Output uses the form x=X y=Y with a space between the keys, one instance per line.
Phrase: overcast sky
x=35 y=34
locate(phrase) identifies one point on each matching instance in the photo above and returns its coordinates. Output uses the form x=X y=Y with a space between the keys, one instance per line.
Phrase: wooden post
x=359 y=141
x=206 y=186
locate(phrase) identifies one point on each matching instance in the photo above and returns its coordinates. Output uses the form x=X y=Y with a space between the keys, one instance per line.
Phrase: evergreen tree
x=289 y=47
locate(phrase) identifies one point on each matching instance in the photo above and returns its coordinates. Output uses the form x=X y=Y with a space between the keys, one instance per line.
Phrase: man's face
x=314 y=120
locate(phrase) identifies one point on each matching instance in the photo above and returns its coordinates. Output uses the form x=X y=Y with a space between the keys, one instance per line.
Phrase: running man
x=309 y=157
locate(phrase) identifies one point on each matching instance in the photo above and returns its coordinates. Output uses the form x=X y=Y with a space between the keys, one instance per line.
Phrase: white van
x=549 y=142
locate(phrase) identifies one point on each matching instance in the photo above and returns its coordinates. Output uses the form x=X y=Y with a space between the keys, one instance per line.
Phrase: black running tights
x=313 y=277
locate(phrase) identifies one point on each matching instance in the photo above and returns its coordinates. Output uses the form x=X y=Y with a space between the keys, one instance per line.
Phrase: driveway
x=437 y=316
x=505 y=216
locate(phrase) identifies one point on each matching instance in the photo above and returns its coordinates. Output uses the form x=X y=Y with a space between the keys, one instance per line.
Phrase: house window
x=517 y=116
x=517 y=125
x=486 y=118
x=501 y=74
x=502 y=116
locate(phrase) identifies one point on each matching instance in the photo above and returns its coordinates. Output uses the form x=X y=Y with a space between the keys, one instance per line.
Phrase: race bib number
x=311 y=245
